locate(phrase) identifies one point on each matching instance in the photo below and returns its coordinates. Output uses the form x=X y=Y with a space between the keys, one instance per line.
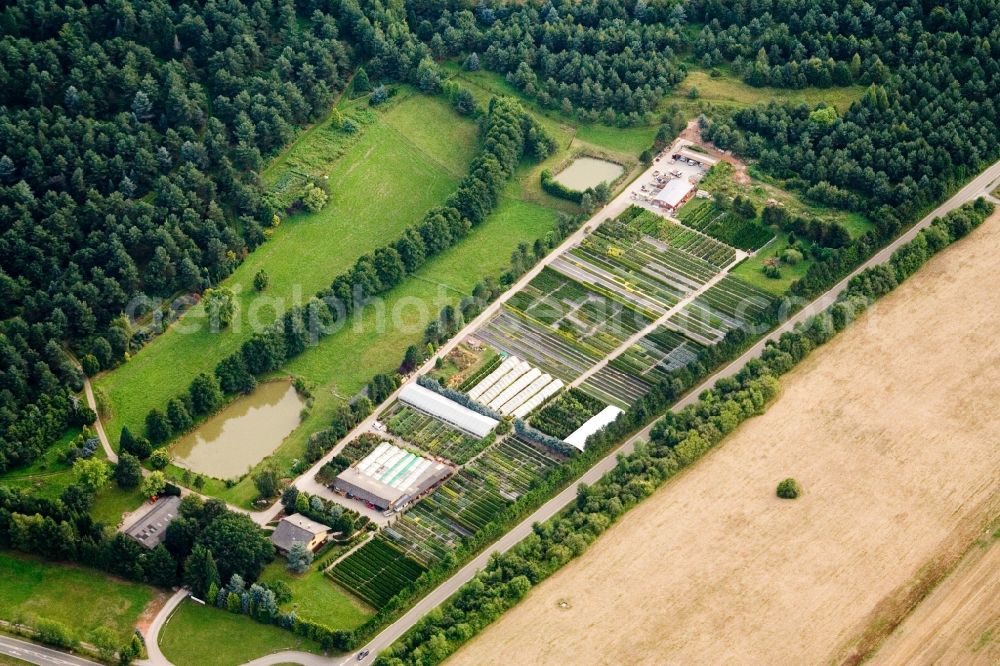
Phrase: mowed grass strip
x=82 y=599
x=314 y=598
x=199 y=635
x=383 y=184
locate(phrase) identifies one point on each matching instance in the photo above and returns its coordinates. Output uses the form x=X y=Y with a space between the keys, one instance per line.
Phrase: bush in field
x=788 y=489
x=55 y=633
x=159 y=459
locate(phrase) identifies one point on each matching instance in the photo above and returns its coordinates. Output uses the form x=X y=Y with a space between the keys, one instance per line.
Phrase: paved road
x=37 y=654
x=981 y=185
x=154 y=655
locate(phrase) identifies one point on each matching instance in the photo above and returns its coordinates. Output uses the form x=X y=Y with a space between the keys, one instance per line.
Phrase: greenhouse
x=578 y=438
x=447 y=410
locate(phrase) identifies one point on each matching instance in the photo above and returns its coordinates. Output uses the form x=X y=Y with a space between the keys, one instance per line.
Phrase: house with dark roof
x=298 y=528
x=150 y=528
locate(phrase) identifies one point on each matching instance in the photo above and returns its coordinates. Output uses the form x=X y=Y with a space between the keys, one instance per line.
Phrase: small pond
x=587 y=172
x=241 y=435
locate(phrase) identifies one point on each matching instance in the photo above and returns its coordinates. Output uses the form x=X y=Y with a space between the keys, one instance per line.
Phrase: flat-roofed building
x=390 y=477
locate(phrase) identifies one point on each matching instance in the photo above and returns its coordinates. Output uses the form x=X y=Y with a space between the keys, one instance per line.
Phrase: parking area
x=657 y=190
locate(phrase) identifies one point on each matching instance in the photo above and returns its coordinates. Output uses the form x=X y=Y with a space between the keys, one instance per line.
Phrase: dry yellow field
x=892 y=430
x=959 y=623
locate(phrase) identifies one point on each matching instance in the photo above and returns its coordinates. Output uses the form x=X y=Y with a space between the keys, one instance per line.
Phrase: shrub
x=159 y=459
x=788 y=489
x=54 y=633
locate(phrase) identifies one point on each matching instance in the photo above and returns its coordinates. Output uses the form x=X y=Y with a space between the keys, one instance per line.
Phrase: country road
x=37 y=654
x=979 y=186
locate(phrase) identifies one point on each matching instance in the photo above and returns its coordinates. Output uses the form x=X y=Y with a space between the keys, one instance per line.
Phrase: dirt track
x=892 y=431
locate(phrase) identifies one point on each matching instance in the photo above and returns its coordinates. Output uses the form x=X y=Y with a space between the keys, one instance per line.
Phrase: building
x=674 y=195
x=151 y=527
x=390 y=477
x=447 y=410
x=692 y=157
x=578 y=438
x=296 y=528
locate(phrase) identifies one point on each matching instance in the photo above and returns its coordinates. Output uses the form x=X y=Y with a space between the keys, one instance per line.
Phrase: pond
x=241 y=435
x=587 y=172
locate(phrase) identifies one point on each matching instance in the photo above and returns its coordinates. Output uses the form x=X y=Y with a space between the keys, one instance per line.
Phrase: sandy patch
x=892 y=431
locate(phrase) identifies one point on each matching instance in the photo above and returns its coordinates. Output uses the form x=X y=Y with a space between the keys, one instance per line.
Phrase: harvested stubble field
x=891 y=429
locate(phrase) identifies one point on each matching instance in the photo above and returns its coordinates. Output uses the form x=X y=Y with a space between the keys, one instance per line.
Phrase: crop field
x=469 y=500
x=626 y=274
x=376 y=572
x=587 y=314
x=556 y=354
x=681 y=237
x=703 y=216
x=566 y=413
x=433 y=436
x=729 y=304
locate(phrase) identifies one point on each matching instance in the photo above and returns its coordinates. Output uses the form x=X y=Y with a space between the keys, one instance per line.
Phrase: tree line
x=677 y=440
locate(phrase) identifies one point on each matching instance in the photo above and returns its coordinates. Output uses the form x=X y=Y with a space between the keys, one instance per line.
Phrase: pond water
x=587 y=172
x=241 y=435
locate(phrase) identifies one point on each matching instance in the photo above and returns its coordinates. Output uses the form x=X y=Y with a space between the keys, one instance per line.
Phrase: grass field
x=48 y=476
x=752 y=269
x=382 y=184
x=315 y=598
x=82 y=599
x=728 y=91
x=204 y=636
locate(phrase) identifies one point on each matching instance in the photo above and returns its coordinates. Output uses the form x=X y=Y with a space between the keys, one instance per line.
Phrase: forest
x=130 y=141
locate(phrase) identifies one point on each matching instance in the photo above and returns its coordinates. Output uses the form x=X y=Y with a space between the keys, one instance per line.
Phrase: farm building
x=390 y=477
x=446 y=410
x=296 y=528
x=578 y=438
x=674 y=194
x=701 y=159
x=151 y=528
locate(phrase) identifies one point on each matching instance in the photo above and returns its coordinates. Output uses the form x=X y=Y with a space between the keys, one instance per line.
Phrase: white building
x=449 y=411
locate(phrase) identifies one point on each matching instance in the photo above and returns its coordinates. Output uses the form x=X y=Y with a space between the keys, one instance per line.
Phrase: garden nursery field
x=888 y=429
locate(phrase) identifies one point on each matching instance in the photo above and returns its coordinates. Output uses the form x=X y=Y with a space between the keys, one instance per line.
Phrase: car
x=363 y=654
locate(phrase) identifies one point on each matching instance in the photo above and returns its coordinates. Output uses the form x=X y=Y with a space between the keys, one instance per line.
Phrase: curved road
x=982 y=185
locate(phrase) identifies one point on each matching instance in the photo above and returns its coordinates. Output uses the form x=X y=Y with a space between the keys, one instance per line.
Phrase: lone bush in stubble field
x=788 y=489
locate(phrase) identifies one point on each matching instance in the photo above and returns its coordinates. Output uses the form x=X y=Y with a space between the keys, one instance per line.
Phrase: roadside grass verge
x=315 y=598
x=82 y=599
x=199 y=635
x=381 y=185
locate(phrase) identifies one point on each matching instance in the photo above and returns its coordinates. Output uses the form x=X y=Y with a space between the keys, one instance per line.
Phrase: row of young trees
x=677 y=440
x=131 y=135
x=509 y=134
